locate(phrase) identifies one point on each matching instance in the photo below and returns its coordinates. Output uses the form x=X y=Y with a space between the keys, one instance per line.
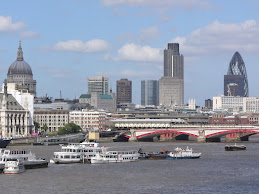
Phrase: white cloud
x=30 y=34
x=221 y=38
x=90 y=46
x=6 y=24
x=149 y=34
x=133 y=52
x=164 y=4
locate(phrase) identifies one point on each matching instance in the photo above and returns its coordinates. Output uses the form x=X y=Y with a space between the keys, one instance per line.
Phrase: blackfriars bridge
x=141 y=129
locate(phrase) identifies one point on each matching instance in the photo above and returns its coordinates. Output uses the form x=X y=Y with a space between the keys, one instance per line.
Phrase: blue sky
x=65 y=41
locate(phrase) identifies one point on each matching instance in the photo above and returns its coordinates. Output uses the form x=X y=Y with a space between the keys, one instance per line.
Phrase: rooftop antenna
x=60 y=94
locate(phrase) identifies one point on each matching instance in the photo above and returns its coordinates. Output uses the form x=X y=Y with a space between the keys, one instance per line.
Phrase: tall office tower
x=124 y=91
x=98 y=84
x=171 y=86
x=208 y=103
x=20 y=73
x=235 y=82
x=150 y=92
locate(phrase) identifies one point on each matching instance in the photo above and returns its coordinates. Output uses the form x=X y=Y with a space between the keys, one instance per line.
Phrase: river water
x=217 y=171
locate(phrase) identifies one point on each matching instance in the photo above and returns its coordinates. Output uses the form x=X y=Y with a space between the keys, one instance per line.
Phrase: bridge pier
x=133 y=136
x=201 y=138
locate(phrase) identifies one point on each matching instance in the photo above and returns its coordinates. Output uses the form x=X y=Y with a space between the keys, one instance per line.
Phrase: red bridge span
x=201 y=133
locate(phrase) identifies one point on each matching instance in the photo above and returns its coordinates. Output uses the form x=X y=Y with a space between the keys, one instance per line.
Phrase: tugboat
x=235 y=147
x=180 y=153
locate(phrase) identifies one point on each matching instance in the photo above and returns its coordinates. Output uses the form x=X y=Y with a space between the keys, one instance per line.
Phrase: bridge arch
x=223 y=133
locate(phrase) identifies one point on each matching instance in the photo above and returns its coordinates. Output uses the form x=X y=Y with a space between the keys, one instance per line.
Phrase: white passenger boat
x=180 y=153
x=76 y=153
x=29 y=159
x=115 y=156
x=15 y=166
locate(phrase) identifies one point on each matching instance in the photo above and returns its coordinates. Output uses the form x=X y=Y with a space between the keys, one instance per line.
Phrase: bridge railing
x=165 y=126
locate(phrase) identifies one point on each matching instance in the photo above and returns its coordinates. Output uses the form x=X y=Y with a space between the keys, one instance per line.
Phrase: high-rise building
x=208 y=103
x=171 y=86
x=98 y=84
x=124 y=91
x=150 y=92
x=235 y=82
x=20 y=73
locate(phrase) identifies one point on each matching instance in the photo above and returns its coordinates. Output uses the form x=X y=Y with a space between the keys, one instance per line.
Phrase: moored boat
x=180 y=153
x=29 y=159
x=76 y=153
x=235 y=147
x=15 y=166
x=4 y=142
x=115 y=157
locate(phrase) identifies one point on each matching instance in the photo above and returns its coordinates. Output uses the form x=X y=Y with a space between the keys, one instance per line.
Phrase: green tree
x=37 y=126
x=69 y=128
x=45 y=128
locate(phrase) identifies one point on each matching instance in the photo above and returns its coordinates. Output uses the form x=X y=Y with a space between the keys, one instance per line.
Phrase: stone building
x=20 y=73
x=14 y=118
x=52 y=118
x=88 y=120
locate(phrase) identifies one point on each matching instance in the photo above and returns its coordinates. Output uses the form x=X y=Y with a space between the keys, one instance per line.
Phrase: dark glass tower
x=235 y=82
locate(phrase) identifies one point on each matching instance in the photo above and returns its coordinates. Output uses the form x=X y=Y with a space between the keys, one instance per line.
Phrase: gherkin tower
x=235 y=82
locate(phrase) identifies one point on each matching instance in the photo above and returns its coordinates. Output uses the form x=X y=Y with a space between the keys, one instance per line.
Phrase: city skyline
x=126 y=39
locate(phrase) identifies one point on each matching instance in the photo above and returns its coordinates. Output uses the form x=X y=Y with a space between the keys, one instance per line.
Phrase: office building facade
x=124 y=91
x=150 y=92
x=171 y=86
x=98 y=84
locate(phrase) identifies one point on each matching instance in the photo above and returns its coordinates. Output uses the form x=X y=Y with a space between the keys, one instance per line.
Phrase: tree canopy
x=69 y=128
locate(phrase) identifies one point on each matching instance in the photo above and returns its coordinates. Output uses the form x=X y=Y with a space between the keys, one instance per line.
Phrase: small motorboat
x=180 y=153
x=235 y=147
x=14 y=167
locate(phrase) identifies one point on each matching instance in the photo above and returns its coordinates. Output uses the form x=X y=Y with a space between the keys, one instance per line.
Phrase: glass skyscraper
x=236 y=82
x=150 y=92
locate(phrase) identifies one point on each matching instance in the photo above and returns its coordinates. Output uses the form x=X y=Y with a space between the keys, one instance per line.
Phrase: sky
x=66 y=41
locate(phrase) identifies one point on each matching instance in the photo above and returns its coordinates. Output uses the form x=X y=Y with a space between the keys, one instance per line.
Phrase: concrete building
x=171 y=86
x=20 y=73
x=150 y=92
x=236 y=104
x=88 y=120
x=209 y=104
x=124 y=91
x=52 y=118
x=99 y=101
x=251 y=104
x=53 y=105
x=228 y=103
x=98 y=84
x=171 y=91
x=13 y=117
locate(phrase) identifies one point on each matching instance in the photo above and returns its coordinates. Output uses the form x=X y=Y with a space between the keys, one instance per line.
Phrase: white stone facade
x=52 y=118
x=251 y=104
x=228 y=103
x=88 y=120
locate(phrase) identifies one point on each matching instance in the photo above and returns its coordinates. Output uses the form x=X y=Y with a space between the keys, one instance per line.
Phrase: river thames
x=217 y=171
